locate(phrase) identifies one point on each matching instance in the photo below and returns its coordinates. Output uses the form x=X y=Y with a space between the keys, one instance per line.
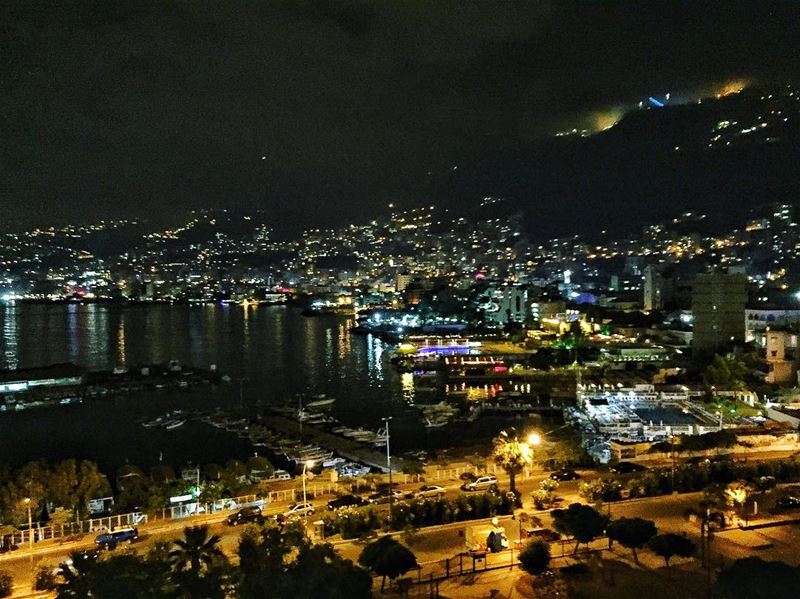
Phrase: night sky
x=326 y=112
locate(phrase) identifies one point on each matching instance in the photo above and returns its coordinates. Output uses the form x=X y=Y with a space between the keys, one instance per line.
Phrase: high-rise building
x=652 y=289
x=659 y=287
x=718 y=303
x=506 y=304
x=401 y=281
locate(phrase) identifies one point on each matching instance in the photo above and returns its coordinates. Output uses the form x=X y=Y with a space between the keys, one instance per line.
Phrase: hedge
x=357 y=522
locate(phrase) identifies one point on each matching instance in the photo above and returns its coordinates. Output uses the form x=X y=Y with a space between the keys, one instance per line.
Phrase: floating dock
x=347 y=448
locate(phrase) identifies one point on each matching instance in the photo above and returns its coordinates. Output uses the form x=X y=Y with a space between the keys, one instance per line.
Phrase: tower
x=718 y=302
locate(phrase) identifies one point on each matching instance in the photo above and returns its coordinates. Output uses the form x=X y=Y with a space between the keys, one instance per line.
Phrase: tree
x=755 y=578
x=260 y=465
x=266 y=569
x=86 y=575
x=162 y=474
x=726 y=374
x=91 y=483
x=669 y=545
x=317 y=566
x=196 y=550
x=387 y=557
x=633 y=533
x=128 y=571
x=535 y=557
x=582 y=522
x=511 y=455
x=6 y=584
x=213 y=471
x=76 y=576
x=45 y=579
x=197 y=561
x=61 y=517
x=263 y=560
x=235 y=469
x=413 y=468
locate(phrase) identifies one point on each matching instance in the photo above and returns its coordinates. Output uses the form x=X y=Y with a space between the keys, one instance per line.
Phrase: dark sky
x=319 y=112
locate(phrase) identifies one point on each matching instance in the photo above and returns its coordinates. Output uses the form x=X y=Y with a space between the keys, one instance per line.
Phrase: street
x=668 y=512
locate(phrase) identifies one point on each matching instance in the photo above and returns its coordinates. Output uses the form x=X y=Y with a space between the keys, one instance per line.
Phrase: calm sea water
x=277 y=351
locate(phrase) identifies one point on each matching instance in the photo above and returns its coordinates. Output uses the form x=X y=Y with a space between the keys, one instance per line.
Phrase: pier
x=347 y=448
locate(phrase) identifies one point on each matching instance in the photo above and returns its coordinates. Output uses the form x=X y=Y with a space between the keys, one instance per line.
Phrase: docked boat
x=333 y=462
x=351 y=433
x=173 y=424
x=153 y=423
x=435 y=423
x=320 y=402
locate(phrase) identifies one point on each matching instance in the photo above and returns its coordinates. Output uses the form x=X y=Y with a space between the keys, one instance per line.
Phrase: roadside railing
x=314 y=490
x=424 y=581
x=68 y=530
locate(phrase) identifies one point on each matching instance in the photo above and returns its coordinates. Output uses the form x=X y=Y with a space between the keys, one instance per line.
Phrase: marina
x=64 y=384
x=292 y=443
x=319 y=359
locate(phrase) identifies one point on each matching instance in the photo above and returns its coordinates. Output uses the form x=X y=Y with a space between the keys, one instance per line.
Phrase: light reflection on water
x=407 y=386
x=10 y=341
x=278 y=351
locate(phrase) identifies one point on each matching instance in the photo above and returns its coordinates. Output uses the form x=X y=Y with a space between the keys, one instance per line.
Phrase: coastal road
x=667 y=511
x=22 y=563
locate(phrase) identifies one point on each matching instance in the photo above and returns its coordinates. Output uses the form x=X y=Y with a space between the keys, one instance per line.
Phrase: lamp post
x=389 y=466
x=27 y=502
x=306 y=465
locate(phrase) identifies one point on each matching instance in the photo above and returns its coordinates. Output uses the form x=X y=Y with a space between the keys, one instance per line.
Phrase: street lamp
x=534 y=439
x=306 y=465
x=389 y=465
x=27 y=502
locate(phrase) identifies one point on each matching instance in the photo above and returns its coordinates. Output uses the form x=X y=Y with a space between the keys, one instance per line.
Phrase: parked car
x=468 y=476
x=626 y=468
x=429 y=491
x=385 y=496
x=109 y=540
x=481 y=483
x=788 y=502
x=346 y=501
x=300 y=509
x=245 y=515
x=565 y=474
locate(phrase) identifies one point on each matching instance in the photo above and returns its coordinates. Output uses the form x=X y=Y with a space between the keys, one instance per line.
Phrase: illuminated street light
x=27 y=502
x=534 y=439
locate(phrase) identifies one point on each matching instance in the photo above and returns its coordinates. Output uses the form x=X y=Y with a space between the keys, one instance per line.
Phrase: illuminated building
x=402 y=280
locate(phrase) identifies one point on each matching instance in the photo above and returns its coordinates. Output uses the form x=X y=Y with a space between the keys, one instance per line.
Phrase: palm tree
x=195 y=550
x=511 y=455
